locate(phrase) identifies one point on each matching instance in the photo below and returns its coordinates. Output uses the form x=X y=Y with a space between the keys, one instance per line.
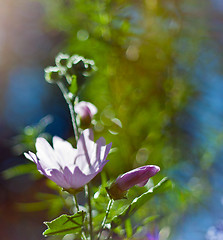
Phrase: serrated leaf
x=65 y=224
x=73 y=86
x=138 y=202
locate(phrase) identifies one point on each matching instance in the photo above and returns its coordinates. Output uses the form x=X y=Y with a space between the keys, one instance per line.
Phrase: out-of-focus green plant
x=24 y=142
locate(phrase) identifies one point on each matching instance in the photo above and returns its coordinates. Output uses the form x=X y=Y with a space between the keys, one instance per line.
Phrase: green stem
x=78 y=209
x=68 y=78
x=110 y=203
x=76 y=203
x=88 y=194
x=71 y=108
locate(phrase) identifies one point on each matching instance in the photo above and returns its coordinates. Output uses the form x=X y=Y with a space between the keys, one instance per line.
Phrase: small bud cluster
x=71 y=67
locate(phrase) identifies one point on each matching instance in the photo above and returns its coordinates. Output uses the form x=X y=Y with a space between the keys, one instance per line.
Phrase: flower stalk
x=110 y=203
x=88 y=194
x=76 y=203
x=71 y=108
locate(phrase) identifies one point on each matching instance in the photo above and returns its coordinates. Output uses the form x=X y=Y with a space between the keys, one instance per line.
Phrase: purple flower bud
x=68 y=167
x=138 y=176
x=85 y=112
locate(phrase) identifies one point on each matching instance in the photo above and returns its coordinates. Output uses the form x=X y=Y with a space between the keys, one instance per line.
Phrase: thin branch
x=76 y=203
x=88 y=194
x=71 y=108
x=110 y=203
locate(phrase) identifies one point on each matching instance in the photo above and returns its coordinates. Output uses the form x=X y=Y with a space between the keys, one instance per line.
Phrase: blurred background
x=158 y=89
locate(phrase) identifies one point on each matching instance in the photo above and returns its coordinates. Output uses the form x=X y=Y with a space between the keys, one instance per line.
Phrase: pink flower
x=68 y=167
x=85 y=111
x=138 y=176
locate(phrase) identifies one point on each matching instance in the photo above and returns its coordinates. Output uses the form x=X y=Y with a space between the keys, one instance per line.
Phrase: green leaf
x=138 y=202
x=128 y=228
x=33 y=207
x=65 y=224
x=19 y=170
x=73 y=86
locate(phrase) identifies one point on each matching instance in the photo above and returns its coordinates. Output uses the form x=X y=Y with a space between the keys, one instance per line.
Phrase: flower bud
x=76 y=65
x=138 y=176
x=79 y=65
x=53 y=74
x=85 y=112
x=61 y=60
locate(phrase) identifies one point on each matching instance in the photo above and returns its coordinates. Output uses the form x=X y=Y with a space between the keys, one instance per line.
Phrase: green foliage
x=122 y=211
x=73 y=87
x=100 y=202
x=65 y=224
x=128 y=228
x=26 y=140
x=138 y=202
x=22 y=169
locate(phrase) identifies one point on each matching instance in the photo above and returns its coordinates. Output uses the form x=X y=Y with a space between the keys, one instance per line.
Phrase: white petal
x=85 y=148
x=46 y=154
x=101 y=152
x=91 y=155
x=65 y=152
x=92 y=108
x=31 y=156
